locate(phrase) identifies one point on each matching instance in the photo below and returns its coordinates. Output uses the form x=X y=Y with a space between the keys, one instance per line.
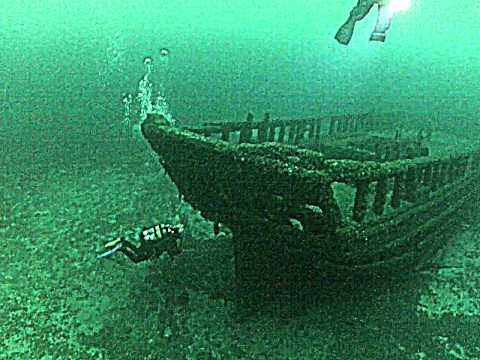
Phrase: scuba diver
x=154 y=241
x=386 y=10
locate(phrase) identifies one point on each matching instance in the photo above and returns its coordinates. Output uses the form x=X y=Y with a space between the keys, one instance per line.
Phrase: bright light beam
x=399 y=5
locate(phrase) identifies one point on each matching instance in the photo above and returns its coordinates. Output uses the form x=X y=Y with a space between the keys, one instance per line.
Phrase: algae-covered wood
x=289 y=218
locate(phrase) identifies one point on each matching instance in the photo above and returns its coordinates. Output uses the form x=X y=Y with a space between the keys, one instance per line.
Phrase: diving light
x=399 y=5
x=386 y=10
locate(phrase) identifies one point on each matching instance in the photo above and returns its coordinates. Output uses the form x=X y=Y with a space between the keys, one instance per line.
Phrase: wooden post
x=450 y=177
x=333 y=126
x=292 y=132
x=311 y=132
x=427 y=175
x=435 y=181
x=356 y=123
x=411 y=184
x=281 y=135
x=272 y=131
x=226 y=132
x=351 y=123
x=246 y=130
x=360 y=205
x=341 y=124
x=380 y=196
x=442 y=173
x=299 y=133
x=318 y=130
x=397 y=191
x=263 y=128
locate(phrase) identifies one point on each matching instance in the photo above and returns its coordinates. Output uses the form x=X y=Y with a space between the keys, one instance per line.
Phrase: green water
x=72 y=178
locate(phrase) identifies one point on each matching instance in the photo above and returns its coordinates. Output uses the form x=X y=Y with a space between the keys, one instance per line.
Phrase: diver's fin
x=345 y=32
x=110 y=252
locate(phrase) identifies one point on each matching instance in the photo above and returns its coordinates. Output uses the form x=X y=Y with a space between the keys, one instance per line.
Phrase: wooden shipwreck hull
x=317 y=196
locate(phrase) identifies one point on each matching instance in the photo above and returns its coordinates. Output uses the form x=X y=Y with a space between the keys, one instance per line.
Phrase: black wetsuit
x=154 y=242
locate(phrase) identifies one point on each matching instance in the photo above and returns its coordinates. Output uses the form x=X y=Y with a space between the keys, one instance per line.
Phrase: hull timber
x=368 y=205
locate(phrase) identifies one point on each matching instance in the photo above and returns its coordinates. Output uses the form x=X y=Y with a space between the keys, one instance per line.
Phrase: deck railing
x=296 y=131
x=372 y=189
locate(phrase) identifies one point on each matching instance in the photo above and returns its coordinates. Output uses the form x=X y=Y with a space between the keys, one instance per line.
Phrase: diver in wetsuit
x=384 y=19
x=154 y=241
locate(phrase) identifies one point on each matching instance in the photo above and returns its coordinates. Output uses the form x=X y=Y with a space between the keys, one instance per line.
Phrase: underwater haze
x=73 y=61
x=76 y=174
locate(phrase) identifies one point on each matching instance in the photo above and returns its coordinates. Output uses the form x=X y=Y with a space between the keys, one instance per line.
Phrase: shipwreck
x=333 y=196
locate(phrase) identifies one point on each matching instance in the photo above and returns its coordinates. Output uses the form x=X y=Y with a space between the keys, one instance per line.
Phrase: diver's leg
x=384 y=19
x=345 y=32
x=132 y=252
